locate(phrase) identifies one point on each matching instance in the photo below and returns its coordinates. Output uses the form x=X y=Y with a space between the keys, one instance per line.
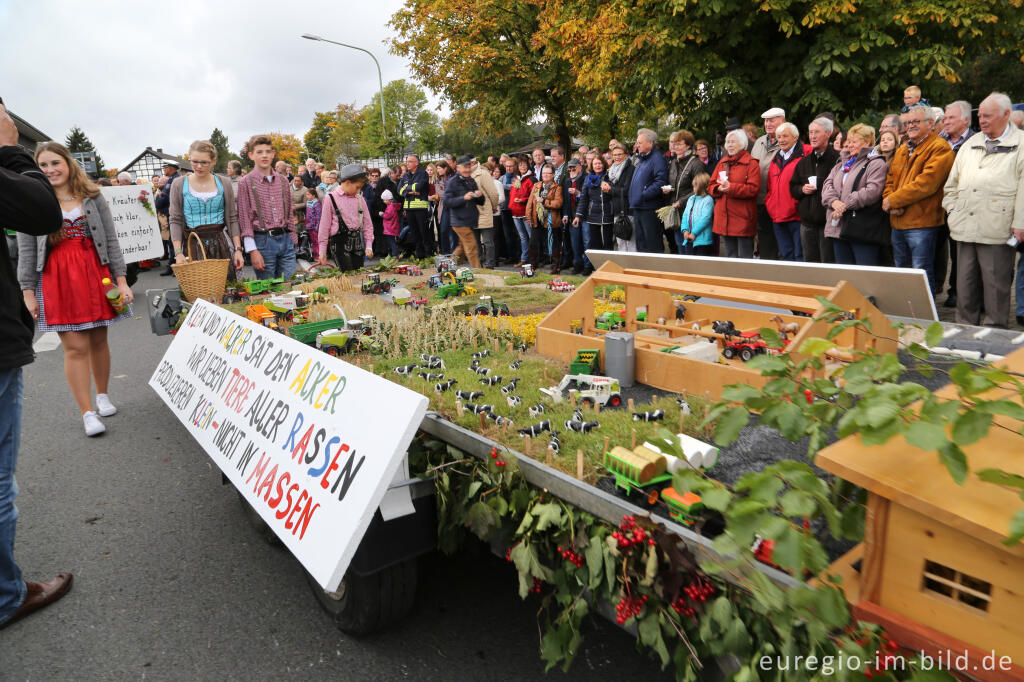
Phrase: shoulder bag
x=868 y=223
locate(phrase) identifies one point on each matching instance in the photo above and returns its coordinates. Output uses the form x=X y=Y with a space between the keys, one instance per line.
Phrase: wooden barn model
x=672 y=334
x=933 y=569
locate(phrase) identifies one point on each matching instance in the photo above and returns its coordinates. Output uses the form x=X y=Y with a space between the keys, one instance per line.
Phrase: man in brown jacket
x=485 y=225
x=913 y=192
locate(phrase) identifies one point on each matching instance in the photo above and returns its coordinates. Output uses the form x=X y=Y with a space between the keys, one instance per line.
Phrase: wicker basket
x=203 y=279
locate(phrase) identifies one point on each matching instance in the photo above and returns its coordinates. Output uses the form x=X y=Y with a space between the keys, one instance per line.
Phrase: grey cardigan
x=32 y=251
x=177 y=213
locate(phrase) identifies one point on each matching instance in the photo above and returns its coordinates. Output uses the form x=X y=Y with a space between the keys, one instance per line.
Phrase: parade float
x=590 y=436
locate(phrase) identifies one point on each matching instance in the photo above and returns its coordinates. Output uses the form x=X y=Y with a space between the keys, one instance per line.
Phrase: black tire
x=257 y=522
x=729 y=353
x=503 y=309
x=615 y=400
x=588 y=402
x=366 y=604
x=482 y=310
x=746 y=355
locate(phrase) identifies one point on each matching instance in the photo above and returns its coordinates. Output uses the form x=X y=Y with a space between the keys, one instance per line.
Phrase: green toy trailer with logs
x=635 y=469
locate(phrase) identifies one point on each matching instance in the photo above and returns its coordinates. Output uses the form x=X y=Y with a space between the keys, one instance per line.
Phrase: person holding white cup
x=805 y=186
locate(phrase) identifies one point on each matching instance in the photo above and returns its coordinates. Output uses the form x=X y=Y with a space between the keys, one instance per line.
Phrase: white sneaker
x=104 y=407
x=93 y=425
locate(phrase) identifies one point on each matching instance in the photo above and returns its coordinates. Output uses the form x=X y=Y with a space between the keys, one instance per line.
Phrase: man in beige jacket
x=485 y=226
x=984 y=196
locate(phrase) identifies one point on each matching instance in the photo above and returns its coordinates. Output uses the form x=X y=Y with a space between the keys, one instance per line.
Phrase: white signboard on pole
x=138 y=232
x=312 y=442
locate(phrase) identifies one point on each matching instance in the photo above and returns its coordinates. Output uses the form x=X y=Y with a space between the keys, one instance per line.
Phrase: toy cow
x=536 y=409
x=405 y=370
x=430 y=377
x=481 y=354
x=442 y=387
x=477 y=409
x=578 y=415
x=436 y=363
x=554 y=443
x=484 y=371
x=514 y=401
x=491 y=381
x=429 y=358
x=515 y=365
x=469 y=395
x=511 y=386
x=655 y=416
x=499 y=420
x=521 y=348
x=536 y=429
x=684 y=406
x=725 y=327
x=582 y=427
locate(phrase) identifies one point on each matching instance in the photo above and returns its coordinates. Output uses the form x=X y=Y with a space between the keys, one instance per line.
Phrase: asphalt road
x=171 y=582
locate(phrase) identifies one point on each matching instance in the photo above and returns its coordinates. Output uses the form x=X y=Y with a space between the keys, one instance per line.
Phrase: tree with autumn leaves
x=618 y=61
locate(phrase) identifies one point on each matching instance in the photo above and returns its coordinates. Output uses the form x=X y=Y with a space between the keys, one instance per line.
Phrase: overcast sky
x=162 y=74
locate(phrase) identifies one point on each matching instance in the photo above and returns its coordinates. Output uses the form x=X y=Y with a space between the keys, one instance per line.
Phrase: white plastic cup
x=812 y=180
x=723 y=176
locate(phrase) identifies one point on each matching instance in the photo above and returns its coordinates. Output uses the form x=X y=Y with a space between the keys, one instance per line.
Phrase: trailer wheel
x=257 y=522
x=615 y=400
x=365 y=604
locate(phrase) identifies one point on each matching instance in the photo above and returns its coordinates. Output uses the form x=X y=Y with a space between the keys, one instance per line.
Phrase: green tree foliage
x=409 y=124
x=319 y=135
x=460 y=135
x=220 y=142
x=77 y=141
x=346 y=132
x=492 y=59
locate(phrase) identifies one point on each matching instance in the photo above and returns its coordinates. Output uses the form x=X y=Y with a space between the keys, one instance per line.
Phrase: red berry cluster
x=500 y=463
x=809 y=394
x=697 y=592
x=888 y=661
x=630 y=534
x=571 y=556
x=629 y=607
x=537 y=585
x=508 y=552
x=764 y=551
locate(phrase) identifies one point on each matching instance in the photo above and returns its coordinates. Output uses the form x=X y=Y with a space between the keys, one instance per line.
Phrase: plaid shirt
x=274 y=195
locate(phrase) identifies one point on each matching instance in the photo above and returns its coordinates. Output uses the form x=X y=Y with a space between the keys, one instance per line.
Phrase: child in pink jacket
x=391 y=223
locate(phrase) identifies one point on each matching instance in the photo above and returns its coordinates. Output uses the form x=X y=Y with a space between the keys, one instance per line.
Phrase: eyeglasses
x=202 y=163
x=914 y=122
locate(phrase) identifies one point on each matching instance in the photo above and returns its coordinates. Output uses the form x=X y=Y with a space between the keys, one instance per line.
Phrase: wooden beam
x=728 y=293
x=786 y=288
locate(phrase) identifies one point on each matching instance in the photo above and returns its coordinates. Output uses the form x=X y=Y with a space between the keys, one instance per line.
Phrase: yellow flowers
x=522 y=326
x=601 y=307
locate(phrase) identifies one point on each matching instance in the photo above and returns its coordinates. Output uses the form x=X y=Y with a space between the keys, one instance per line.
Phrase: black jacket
x=811 y=211
x=594 y=205
x=620 y=190
x=384 y=183
x=162 y=202
x=308 y=179
x=681 y=173
x=464 y=213
x=27 y=204
x=569 y=201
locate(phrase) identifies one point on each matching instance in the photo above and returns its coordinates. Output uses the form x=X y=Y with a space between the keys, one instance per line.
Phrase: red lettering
x=302 y=498
x=281 y=483
x=261 y=466
x=305 y=517
x=333 y=467
x=267 y=484
x=284 y=512
x=300 y=448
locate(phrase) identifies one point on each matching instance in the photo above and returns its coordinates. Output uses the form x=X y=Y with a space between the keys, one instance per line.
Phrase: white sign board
x=138 y=232
x=312 y=442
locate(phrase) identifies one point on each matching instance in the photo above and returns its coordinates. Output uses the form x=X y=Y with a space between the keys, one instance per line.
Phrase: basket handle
x=202 y=249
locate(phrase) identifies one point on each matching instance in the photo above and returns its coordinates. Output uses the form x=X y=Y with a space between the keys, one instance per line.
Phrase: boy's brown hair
x=258 y=139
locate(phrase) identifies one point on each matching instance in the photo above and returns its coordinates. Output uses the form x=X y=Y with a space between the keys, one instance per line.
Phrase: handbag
x=353 y=242
x=868 y=224
x=622 y=228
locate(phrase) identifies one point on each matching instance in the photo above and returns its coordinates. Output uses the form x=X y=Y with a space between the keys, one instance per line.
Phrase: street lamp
x=380 y=79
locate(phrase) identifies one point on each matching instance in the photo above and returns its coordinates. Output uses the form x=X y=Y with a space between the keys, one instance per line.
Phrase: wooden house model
x=664 y=342
x=933 y=568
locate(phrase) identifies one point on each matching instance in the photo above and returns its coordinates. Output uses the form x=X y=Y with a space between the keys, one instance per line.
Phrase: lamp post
x=380 y=79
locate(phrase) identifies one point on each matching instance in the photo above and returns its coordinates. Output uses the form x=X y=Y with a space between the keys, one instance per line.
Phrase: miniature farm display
x=487 y=306
x=373 y=284
x=558 y=284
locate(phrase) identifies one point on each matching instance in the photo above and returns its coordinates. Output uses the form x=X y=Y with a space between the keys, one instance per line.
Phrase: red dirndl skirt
x=73 y=291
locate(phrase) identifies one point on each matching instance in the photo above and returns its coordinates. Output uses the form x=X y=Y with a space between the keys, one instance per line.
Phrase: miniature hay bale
x=632 y=465
x=657 y=459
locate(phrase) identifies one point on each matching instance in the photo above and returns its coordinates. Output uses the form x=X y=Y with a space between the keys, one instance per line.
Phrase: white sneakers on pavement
x=103 y=405
x=92 y=423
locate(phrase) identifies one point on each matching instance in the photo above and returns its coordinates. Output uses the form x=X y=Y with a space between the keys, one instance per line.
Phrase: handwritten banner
x=138 y=232
x=311 y=441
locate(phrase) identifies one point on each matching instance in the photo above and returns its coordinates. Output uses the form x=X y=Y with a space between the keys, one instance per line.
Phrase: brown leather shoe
x=40 y=595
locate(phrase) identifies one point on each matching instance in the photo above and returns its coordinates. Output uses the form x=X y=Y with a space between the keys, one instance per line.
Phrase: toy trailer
x=683 y=508
x=586 y=362
x=256 y=286
x=306 y=333
x=633 y=471
x=258 y=313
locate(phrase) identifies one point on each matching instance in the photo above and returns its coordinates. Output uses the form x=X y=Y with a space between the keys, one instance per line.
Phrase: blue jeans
x=392 y=243
x=12 y=587
x=855 y=253
x=788 y=237
x=524 y=237
x=580 y=243
x=278 y=255
x=915 y=248
x=1019 y=284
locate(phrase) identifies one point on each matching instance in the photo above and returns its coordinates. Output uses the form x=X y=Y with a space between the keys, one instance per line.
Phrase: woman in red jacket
x=519 y=196
x=734 y=186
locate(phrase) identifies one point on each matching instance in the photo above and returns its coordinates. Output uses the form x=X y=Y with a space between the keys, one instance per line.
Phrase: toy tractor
x=526 y=270
x=746 y=346
x=487 y=306
x=373 y=284
x=434 y=281
x=559 y=284
x=445 y=264
x=464 y=274
x=411 y=270
x=450 y=290
x=609 y=321
x=593 y=389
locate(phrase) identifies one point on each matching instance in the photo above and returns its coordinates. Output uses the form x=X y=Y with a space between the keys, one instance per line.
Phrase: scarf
x=615 y=172
x=594 y=179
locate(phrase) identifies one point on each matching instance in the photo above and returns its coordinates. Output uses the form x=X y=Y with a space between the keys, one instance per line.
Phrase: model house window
x=963 y=588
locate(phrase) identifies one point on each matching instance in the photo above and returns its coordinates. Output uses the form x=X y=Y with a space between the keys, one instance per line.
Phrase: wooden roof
x=917 y=479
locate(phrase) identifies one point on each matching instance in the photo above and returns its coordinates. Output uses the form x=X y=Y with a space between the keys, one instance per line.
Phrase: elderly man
x=309 y=174
x=913 y=193
x=780 y=203
x=956 y=128
x=125 y=178
x=985 y=199
x=538 y=163
x=414 y=188
x=891 y=122
x=645 y=195
x=764 y=151
x=805 y=186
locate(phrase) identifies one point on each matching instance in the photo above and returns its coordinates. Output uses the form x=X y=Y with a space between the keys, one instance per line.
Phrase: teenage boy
x=264 y=213
x=346 y=229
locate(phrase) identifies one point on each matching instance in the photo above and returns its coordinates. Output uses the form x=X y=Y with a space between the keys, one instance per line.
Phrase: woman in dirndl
x=62 y=275
x=204 y=204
